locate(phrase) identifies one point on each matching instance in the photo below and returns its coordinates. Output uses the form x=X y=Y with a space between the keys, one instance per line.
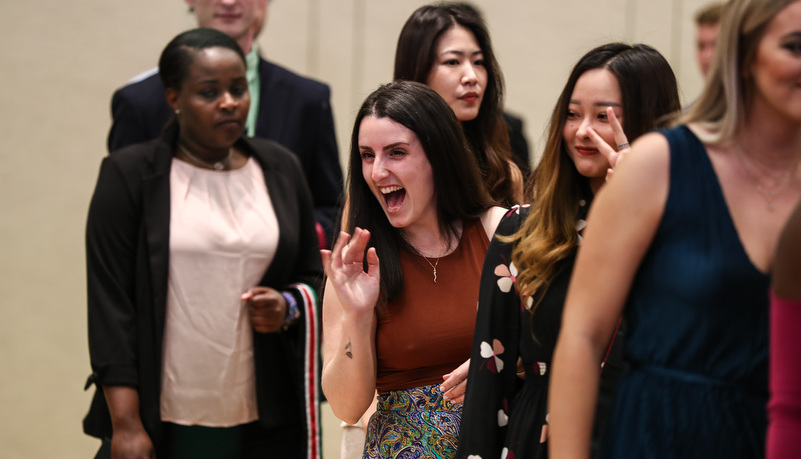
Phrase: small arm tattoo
x=347 y=349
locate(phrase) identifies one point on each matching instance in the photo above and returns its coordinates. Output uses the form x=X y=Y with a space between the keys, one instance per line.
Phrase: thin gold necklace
x=216 y=165
x=780 y=184
x=434 y=266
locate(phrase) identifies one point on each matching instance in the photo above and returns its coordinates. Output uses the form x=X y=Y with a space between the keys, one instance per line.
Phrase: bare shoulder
x=649 y=151
x=637 y=192
x=491 y=218
x=646 y=166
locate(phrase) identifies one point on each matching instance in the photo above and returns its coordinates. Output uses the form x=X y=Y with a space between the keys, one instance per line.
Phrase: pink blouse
x=223 y=236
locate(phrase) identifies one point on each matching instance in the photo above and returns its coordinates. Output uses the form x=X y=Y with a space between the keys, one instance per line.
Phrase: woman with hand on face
x=186 y=364
x=447 y=46
x=402 y=326
x=614 y=93
x=682 y=242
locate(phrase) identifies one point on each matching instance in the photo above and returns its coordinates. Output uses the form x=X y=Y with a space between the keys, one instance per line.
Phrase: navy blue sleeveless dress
x=698 y=329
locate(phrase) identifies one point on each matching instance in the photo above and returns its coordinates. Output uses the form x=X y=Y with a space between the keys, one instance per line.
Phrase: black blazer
x=293 y=111
x=127 y=251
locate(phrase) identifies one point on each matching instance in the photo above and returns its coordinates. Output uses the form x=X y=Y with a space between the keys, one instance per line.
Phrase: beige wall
x=61 y=60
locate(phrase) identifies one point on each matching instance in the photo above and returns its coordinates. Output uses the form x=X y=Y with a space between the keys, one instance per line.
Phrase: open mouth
x=393 y=197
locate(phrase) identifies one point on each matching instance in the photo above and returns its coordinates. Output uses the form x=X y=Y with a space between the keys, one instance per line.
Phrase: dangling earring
x=177 y=111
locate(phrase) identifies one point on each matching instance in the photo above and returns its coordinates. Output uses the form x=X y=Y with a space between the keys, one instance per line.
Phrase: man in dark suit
x=285 y=107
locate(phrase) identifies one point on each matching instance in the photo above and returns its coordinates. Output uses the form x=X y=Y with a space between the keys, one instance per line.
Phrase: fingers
x=267 y=311
x=613 y=153
x=353 y=252
x=348 y=249
x=455 y=383
x=252 y=292
x=454 y=389
x=604 y=148
x=325 y=255
x=617 y=128
x=261 y=296
x=622 y=141
x=372 y=263
x=336 y=253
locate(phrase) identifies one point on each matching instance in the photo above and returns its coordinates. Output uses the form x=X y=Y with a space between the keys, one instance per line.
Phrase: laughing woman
x=202 y=262
x=417 y=201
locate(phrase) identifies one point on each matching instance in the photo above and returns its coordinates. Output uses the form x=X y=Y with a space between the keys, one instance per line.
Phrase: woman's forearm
x=129 y=438
x=573 y=396
x=349 y=376
x=123 y=405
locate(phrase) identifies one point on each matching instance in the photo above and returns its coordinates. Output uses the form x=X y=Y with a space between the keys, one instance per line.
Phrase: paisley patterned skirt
x=416 y=423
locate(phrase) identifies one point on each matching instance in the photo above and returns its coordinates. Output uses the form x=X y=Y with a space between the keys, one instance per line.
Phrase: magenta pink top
x=784 y=408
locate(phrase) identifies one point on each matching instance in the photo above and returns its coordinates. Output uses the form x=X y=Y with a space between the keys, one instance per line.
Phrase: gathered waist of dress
x=423 y=398
x=689 y=377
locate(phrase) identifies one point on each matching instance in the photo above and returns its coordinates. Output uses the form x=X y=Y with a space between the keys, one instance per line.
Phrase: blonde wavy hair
x=722 y=106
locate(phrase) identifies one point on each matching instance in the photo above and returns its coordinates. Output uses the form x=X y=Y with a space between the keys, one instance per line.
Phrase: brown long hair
x=548 y=235
x=488 y=134
x=460 y=193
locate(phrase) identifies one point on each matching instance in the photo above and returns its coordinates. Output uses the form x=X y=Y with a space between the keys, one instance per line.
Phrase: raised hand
x=616 y=154
x=356 y=289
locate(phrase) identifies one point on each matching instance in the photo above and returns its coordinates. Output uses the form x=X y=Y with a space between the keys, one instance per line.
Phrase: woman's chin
x=396 y=220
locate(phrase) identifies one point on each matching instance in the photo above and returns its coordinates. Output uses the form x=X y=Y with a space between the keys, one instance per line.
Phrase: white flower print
x=494 y=363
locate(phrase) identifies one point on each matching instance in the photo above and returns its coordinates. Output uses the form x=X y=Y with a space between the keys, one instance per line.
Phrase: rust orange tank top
x=428 y=331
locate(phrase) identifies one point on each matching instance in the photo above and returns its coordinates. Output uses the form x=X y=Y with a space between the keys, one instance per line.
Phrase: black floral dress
x=505 y=416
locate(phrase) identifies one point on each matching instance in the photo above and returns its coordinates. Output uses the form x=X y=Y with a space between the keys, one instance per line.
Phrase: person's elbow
x=347 y=404
x=346 y=411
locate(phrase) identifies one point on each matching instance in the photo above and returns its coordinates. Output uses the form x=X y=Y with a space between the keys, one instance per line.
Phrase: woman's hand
x=129 y=440
x=267 y=308
x=613 y=155
x=455 y=383
x=356 y=289
x=131 y=444
x=349 y=325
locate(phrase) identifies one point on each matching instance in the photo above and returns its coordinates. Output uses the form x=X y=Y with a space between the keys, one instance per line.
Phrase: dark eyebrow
x=393 y=145
x=597 y=104
x=388 y=147
x=460 y=53
x=791 y=36
x=216 y=80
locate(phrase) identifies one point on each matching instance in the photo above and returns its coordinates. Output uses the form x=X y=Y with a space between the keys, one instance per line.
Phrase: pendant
x=435 y=274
